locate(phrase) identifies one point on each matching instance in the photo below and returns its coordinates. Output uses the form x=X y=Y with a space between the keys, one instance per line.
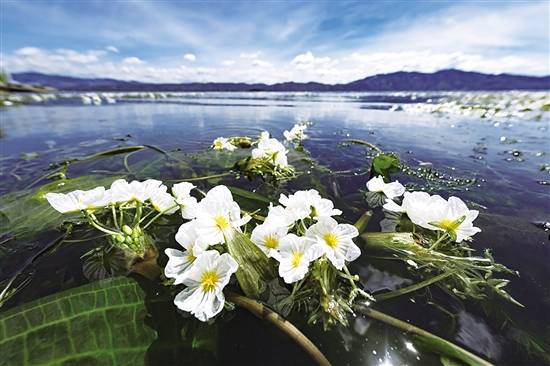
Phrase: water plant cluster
x=493 y=106
x=290 y=256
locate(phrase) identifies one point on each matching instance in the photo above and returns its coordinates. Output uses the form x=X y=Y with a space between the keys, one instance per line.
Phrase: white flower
x=296 y=133
x=79 y=200
x=188 y=203
x=390 y=190
x=303 y=204
x=268 y=238
x=218 y=215
x=264 y=135
x=335 y=240
x=273 y=150
x=455 y=218
x=323 y=207
x=295 y=254
x=180 y=262
x=122 y=191
x=205 y=281
x=163 y=201
x=221 y=143
x=277 y=216
x=435 y=213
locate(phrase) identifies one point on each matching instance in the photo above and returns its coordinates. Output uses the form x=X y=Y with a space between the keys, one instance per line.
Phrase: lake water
x=505 y=155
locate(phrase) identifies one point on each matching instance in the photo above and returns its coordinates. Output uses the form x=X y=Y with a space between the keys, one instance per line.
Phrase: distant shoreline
x=440 y=81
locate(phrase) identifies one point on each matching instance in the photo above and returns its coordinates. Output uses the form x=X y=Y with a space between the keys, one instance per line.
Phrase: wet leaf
x=384 y=165
x=99 y=323
x=255 y=268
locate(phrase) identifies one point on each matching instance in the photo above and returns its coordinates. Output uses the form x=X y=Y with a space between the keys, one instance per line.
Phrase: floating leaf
x=384 y=165
x=100 y=323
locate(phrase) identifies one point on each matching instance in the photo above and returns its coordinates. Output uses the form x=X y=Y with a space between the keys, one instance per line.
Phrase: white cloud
x=468 y=28
x=190 y=57
x=308 y=60
x=133 y=61
x=261 y=63
x=250 y=55
x=28 y=52
x=35 y=56
x=228 y=62
x=112 y=49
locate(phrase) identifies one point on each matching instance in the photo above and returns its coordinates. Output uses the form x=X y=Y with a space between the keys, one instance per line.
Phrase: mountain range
x=444 y=80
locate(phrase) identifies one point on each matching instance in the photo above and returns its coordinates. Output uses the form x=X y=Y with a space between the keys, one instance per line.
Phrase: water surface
x=505 y=154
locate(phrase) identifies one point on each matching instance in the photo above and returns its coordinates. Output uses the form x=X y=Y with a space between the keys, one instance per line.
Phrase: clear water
x=505 y=154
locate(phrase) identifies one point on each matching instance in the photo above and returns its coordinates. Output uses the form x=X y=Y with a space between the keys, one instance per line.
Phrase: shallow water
x=503 y=155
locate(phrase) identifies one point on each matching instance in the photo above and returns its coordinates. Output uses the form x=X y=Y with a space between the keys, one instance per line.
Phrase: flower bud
x=127 y=230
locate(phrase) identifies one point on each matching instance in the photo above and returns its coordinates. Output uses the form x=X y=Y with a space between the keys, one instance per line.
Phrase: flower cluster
x=296 y=133
x=203 y=270
x=451 y=216
x=129 y=204
x=430 y=212
x=312 y=248
x=323 y=237
x=271 y=151
x=222 y=143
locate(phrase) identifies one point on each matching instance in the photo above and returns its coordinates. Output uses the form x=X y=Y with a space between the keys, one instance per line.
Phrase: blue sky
x=272 y=41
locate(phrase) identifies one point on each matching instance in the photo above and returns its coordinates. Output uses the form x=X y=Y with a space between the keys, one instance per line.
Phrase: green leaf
x=25 y=213
x=384 y=164
x=375 y=199
x=255 y=269
x=446 y=361
x=249 y=195
x=100 y=323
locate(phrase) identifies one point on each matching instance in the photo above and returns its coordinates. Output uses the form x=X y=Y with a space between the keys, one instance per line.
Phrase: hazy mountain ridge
x=444 y=80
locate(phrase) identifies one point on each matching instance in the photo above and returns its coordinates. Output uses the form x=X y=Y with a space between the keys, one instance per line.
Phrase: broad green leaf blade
x=100 y=323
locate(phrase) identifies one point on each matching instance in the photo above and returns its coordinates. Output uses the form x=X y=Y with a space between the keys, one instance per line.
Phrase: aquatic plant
x=124 y=211
x=288 y=256
x=297 y=132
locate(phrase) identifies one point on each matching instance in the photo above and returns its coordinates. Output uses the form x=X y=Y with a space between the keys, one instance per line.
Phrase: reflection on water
x=504 y=152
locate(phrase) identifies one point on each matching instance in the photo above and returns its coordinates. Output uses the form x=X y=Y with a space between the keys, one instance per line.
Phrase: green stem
x=435 y=343
x=158 y=215
x=284 y=325
x=137 y=217
x=434 y=245
x=146 y=216
x=297 y=287
x=93 y=221
x=414 y=287
x=349 y=276
x=113 y=210
x=121 y=216
x=202 y=178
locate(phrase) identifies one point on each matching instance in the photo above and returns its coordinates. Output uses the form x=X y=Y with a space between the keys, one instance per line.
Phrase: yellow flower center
x=296 y=258
x=209 y=280
x=449 y=225
x=271 y=242
x=331 y=240
x=221 y=223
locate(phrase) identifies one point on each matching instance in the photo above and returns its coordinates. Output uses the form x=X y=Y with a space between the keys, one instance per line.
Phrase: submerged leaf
x=99 y=323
